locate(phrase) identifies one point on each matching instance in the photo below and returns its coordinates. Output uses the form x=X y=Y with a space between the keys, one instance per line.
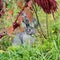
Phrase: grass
x=42 y=49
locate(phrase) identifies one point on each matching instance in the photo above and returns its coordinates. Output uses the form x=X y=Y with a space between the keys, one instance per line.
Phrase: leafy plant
x=5 y=43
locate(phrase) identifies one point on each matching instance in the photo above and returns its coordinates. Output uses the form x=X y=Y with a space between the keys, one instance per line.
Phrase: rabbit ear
x=47 y=5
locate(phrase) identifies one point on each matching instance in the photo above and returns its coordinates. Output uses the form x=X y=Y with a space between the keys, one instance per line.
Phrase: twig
x=47 y=24
x=35 y=10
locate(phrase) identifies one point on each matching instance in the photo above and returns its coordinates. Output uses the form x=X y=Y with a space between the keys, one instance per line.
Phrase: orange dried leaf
x=10 y=11
x=29 y=14
x=20 y=4
x=10 y=30
x=21 y=29
x=20 y=19
x=30 y=3
x=9 y=17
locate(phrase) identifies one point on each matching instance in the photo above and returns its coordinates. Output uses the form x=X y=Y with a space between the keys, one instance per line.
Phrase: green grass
x=42 y=49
